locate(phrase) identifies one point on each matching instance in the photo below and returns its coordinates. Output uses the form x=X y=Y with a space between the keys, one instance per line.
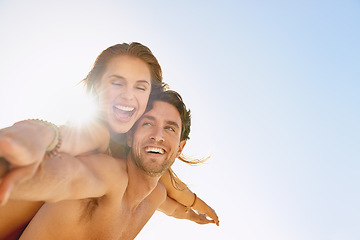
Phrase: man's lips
x=155 y=150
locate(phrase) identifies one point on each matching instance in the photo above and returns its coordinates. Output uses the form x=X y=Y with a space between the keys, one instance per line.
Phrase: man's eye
x=170 y=129
x=146 y=124
x=117 y=84
x=141 y=88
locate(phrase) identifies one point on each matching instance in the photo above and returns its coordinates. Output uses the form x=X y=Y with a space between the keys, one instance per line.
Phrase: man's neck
x=140 y=184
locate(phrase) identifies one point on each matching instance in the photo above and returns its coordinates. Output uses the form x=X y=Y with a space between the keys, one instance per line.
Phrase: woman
x=122 y=79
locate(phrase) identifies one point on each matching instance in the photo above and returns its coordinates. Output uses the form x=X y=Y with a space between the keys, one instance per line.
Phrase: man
x=108 y=198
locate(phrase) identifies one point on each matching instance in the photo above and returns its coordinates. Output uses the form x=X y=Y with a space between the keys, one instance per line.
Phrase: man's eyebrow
x=149 y=117
x=172 y=123
x=121 y=77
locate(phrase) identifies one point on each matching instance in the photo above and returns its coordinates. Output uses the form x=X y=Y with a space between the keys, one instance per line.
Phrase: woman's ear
x=97 y=88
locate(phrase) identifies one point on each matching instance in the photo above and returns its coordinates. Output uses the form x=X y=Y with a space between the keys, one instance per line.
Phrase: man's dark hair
x=173 y=98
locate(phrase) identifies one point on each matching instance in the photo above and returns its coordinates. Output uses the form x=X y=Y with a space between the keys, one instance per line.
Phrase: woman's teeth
x=124 y=108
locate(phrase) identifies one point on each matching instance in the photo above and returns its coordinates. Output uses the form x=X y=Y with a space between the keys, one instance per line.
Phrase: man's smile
x=155 y=150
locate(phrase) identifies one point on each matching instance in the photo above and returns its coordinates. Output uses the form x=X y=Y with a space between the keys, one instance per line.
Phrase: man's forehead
x=163 y=110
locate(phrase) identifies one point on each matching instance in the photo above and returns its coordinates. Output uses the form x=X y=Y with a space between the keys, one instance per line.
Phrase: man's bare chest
x=118 y=221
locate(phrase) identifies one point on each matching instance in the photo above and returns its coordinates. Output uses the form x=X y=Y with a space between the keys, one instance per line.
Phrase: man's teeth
x=124 y=108
x=154 y=150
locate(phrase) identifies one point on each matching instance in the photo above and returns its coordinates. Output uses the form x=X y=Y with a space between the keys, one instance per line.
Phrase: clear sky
x=274 y=89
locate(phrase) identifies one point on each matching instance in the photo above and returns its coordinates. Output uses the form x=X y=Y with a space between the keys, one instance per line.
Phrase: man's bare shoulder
x=158 y=195
x=108 y=163
x=111 y=171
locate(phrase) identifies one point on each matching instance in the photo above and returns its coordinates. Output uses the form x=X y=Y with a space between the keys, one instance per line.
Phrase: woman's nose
x=127 y=93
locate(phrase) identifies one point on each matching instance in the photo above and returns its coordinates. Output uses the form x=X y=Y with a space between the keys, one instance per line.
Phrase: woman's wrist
x=53 y=148
x=193 y=203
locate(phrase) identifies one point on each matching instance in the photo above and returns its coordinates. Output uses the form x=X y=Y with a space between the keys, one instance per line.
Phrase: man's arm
x=174 y=209
x=65 y=177
x=24 y=145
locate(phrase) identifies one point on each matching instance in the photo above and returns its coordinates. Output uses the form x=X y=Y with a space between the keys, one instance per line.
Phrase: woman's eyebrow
x=116 y=76
x=143 y=81
x=123 y=78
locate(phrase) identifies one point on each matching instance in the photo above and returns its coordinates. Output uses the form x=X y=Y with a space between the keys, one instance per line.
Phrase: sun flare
x=83 y=110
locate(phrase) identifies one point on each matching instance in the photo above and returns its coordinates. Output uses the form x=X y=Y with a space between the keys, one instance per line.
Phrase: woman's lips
x=123 y=113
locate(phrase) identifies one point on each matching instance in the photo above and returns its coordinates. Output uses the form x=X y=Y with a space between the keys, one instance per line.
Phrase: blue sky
x=273 y=88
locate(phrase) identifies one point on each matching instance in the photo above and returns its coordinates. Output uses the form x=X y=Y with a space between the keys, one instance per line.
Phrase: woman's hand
x=202 y=208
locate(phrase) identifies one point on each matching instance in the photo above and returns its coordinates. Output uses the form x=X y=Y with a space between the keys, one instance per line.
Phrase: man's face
x=124 y=91
x=156 y=140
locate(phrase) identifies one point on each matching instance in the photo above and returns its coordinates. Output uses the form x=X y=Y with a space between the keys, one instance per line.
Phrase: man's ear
x=181 y=147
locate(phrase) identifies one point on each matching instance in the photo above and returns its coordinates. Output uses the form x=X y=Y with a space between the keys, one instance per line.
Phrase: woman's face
x=124 y=91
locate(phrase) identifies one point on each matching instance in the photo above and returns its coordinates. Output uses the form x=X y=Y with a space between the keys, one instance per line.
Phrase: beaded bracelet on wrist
x=55 y=150
x=55 y=144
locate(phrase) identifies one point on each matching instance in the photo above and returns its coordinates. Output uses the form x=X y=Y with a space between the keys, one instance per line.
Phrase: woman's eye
x=146 y=124
x=117 y=84
x=141 y=88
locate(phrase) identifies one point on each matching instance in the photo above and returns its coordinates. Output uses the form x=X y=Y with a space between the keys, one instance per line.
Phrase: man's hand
x=14 y=177
x=22 y=148
x=4 y=167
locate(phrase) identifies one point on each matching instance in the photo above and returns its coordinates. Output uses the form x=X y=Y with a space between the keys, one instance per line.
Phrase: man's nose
x=158 y=134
